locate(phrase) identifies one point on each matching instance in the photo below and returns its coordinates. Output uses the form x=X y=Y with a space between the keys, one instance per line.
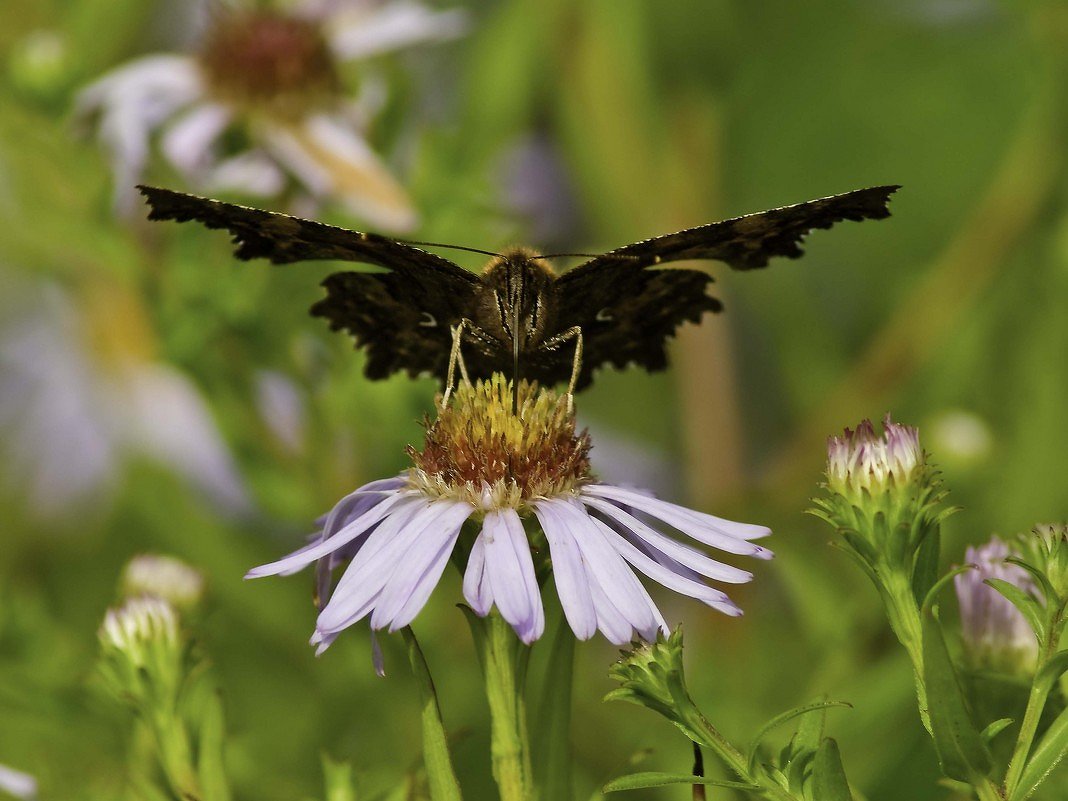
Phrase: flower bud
x=142 y=650
x=996 y=635
x=884 y=498
x=1046 y=548
x=163 y=577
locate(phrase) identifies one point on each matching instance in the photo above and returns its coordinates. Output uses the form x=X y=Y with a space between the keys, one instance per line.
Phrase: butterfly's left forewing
x=401 y=317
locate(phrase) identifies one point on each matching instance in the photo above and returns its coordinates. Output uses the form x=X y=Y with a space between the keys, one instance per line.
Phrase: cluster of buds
x=141 y=650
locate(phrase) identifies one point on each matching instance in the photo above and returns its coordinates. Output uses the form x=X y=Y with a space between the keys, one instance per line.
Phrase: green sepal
x=1050 y=750
x=829 y=781
x=441 y=778
x=994 y=729
x=1028 y=605
x=962 y=753
x=754 y=745
x=641 y=781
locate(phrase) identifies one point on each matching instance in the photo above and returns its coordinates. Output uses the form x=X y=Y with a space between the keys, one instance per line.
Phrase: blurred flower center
x=480 y=452
x=266 y=58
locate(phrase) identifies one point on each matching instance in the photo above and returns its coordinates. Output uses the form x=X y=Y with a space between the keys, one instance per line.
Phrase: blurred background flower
x=81 y=394
x=262 y=107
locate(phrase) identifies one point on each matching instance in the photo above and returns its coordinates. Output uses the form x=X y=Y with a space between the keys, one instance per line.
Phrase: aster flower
x=18 y=784
x=79 y=395
x=482 y=463
x=270 y=75
x=996 y=634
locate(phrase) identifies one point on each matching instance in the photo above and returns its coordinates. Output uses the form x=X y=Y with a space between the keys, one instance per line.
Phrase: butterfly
x=426 y=314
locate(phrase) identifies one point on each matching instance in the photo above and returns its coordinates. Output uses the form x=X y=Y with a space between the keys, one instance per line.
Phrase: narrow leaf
x=1050 y=750
x=932 y=595
x=441 y=778
x=828 y=774
x=1027 y=604
x=210 y=769
x=640 y=781
x=994 y=729
x=778 y=720
x=961 y=751
x=925 y=571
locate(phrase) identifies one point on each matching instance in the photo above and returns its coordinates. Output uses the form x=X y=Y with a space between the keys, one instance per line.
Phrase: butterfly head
x=520 y=301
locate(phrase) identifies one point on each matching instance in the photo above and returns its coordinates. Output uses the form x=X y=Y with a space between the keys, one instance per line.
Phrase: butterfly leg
x=456 y=359
x=575 y=333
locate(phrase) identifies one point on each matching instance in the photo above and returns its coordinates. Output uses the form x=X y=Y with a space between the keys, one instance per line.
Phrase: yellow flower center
x=269 y=62
x=481 y=452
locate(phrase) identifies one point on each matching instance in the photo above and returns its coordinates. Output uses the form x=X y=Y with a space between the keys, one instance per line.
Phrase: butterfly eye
x=604 y=316
x=428 y=321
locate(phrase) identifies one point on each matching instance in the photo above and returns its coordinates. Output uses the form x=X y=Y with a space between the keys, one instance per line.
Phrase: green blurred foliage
x=663 y=115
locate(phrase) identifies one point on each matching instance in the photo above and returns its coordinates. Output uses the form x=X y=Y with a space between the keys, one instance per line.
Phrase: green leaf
x=1052 y=670
x=778 y=720
x=961 y=751
x=932 y=595
x=552 y=726
x=640 y=781
x=994 y=729
x=829 y=781
x=1028 y=605
x=1050 y=750
x=925 y=579
x=440 y=775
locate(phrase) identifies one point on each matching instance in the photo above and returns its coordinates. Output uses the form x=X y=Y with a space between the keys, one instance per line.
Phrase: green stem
x=1043 y=683
x=986 y=791
x=904 y=617
x=503 y=665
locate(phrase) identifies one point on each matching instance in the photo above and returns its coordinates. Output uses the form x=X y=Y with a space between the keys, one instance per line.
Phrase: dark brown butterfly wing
x=402 y=317
x=745 y=243
x=627 y=320
x=627 y=312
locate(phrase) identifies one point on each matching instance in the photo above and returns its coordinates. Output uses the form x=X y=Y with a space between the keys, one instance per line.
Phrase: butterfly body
x=518 y=316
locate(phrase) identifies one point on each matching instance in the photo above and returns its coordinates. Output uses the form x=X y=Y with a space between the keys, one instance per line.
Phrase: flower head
x=163 y=577
x=141 y=650
x=996 y=634
x=884 y=498
x=1046 y=549
x=862 y=460
x=497 y=469
x=261 y=106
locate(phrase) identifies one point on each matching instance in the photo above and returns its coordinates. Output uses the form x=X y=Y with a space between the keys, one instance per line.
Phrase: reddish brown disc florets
x=268 y=59
x=478 y=450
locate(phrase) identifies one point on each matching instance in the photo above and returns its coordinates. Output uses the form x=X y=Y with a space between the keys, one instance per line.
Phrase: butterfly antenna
x=585 y=256
x=453 y=247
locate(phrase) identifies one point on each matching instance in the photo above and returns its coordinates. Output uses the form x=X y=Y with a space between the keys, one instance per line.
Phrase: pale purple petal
x=309 y=553
x=606 y=567
x=477 y=589
x=377 y=660
x=657 y=572
x=417 y=573
x=610 y=621
x=252 y=173
x=392 y=27
x=368 y=578
x=189 y=141
x=725 y=535
x=569 y=573
x=676 y=551
x=511 y=574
